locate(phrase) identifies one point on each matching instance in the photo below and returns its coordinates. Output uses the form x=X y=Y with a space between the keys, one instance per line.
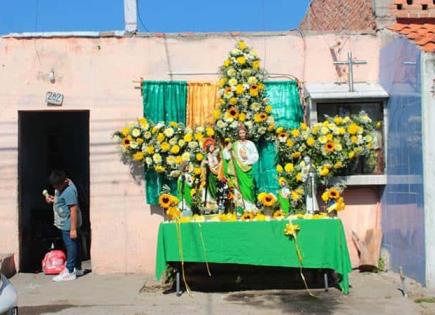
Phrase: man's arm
x=73 y=231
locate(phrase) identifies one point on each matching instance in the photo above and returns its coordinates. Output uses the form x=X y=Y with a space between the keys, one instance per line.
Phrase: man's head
x=58 y=179
x=242 y=132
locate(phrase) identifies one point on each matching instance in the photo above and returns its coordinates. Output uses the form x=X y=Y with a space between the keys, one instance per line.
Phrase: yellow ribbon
x=204 y=249
x=180 y=253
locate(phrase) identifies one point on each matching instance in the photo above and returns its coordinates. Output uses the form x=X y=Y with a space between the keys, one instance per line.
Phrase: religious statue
x=184 y=188
x=309 y=174
x=211 y=168
x=238 y=160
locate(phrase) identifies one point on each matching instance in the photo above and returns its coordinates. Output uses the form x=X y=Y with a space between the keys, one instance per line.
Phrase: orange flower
x=329 y=146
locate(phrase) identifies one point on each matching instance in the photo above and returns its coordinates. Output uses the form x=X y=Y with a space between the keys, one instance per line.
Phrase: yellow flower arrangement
x=291 y=229
x=289 y=167
x=173 y=213
x=278 y=215
x=138 y=156
x=247 y=216
x=165 y=201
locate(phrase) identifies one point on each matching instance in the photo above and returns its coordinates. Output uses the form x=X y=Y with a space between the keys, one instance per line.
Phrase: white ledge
x=362 y=180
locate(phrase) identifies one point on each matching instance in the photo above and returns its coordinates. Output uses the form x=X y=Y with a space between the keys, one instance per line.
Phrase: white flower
x=246 y=86
x=252 y=80
x=232 y=82
x=175 y=174
x=246 y=72
x=188 y=130
x=249 y=124
x=133 y=144
x=231 y=72
x=186 y=156
x=255 y=107
x=148 y=160
x=193 y=144
x=157 y=158
x=220 y=124
x=135 y=132
x=147 y=135
x=169 y=132
x=262 y=130
x=200 y=129
x=117 y=138
x=181 y=142
x=234 y=124
x=324 y=130
x=173 y=141
x=235 y=52
x=160 y=125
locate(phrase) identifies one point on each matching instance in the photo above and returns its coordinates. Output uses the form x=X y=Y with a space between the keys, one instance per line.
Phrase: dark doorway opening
x=50 y=140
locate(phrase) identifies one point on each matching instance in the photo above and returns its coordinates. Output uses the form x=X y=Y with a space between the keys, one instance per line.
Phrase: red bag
x=54 y=262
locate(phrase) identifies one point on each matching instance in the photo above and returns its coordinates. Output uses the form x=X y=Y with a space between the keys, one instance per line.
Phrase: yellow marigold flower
x=315 y=129
x=256 y=64
x=351 y=154
x=295 y=133
x=329 y=136
x=304 y=126
x=260 y=217
x=242 y=117
x=296 y=154
x=173 y=124
x=233 y=100
x=149 y=149
x=227 y=62
x=268 y=109
x=175 y=149
x=325 y=196
x=271 y=127
x=324 y=171
x=173 y=213
x=239 y=89
x=260 y=86
x=170 y=160
x=289 y=143
x=295 y=196
x=138 y=156
x=352 y=128
x=165 y=146
x=338 y=165
x=160 y=137
x=311 y=141
x=209 y=132
x=197 y=171
x=289 y=167
x=125 y=131
x=279 y=168
x=159 y=168
x=199 y=136
x=279 y=130
x=338 y=146
x=242 y=45
x=216 y=114
x=193 y=192
x=354 y=139
x=241 y=60
x=341 y=131
x=188 y=137
x=261 y=196
x=253 y=91
x=338 y=120
x=199 y=157
x=299 y=177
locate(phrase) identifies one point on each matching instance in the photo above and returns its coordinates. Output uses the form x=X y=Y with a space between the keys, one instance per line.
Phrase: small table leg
x=177 y=283
x=325 y=279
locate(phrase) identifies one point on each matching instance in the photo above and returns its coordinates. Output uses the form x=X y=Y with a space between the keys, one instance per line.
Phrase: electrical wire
x=140 y=17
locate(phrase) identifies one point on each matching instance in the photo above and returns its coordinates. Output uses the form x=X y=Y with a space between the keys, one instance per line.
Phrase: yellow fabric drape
x=201 y=101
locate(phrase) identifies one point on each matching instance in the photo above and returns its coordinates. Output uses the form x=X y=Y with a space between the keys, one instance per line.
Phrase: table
x=262 y=243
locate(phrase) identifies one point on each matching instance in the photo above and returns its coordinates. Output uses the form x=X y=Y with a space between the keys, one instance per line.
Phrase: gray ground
x=371 y=293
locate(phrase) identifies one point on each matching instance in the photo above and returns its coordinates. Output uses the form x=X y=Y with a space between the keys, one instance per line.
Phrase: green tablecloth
x=322 y=243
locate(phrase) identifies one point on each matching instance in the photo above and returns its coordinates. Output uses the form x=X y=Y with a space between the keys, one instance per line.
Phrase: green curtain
x=162 y=101
x=286 y=104
x=288 y=113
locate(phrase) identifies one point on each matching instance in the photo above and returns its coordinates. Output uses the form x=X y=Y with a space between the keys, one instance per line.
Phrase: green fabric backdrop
x=288 y=113
x=162 y=101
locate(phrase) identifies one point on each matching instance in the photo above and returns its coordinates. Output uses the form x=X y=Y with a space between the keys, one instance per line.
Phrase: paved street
x=120 y=294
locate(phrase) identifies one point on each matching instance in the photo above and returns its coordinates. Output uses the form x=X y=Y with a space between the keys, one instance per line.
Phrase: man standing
x=68 y=219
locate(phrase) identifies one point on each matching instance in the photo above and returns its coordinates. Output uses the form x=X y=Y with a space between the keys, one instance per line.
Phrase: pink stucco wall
x=96 y=74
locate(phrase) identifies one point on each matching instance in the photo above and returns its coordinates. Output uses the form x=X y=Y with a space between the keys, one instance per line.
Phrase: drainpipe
x=130 y=16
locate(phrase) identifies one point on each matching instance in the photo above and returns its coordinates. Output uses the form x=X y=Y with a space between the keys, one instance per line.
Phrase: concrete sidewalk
x=371 y=293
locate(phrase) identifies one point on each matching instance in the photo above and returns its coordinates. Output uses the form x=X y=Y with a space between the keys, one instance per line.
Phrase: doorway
x=50 y=140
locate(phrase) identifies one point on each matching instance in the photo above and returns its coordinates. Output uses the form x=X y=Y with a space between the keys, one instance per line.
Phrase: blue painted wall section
x=402 y=200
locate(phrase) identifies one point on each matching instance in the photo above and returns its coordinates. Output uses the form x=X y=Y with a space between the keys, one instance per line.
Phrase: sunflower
x=263 y=116
x=126 y=141
x=269 y=200
x=291 y=229
x=334 y=193
x=165 y=201
x=248 y=216
x=257 y=118
x=253 y=91
x=278 y=215
x=232 y=112
x=329 y=147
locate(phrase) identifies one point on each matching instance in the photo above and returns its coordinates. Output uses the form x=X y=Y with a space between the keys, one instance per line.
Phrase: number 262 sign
x=53 y=98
